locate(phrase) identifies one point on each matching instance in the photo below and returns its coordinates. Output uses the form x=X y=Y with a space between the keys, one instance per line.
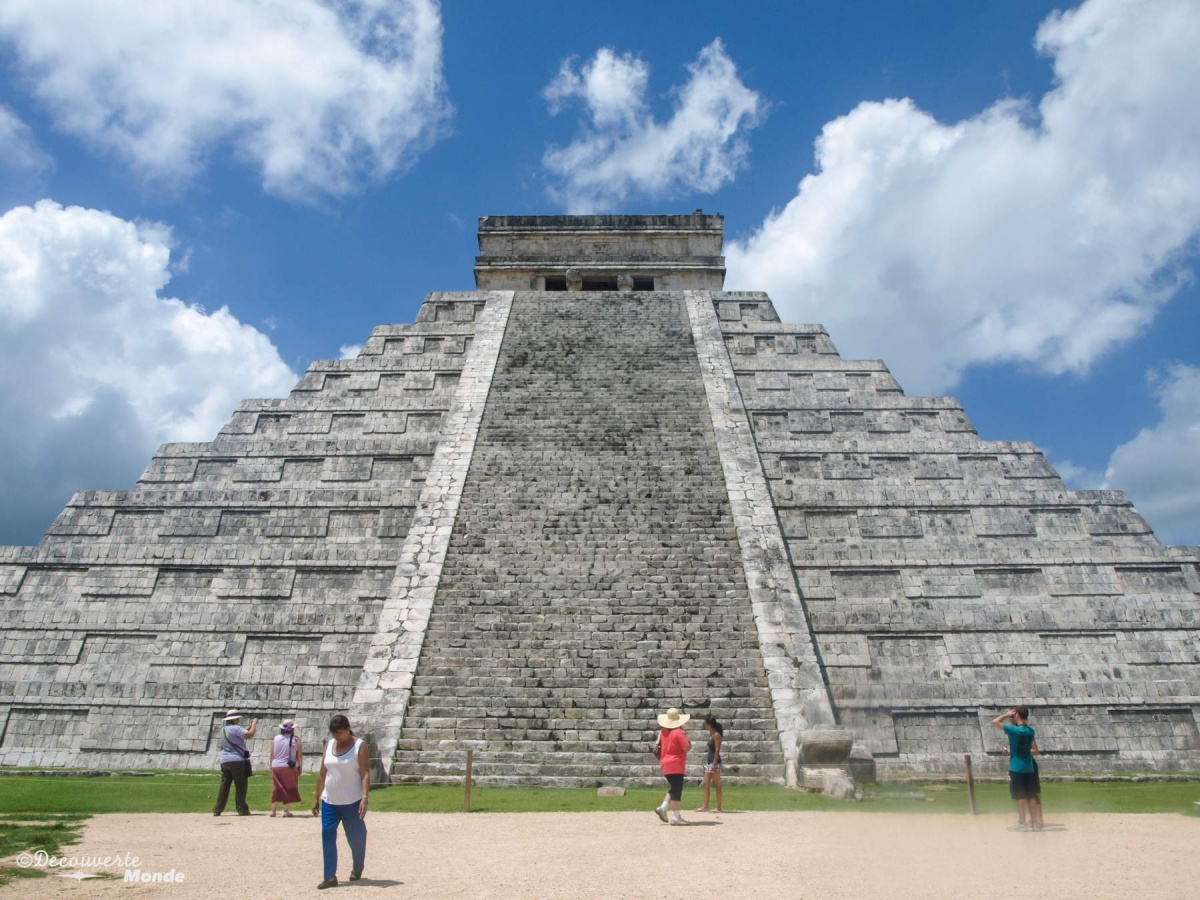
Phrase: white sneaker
x=677 y=819
x=662 y=813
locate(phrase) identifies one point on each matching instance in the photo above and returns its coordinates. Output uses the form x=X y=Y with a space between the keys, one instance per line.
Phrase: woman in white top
x=342 y=788
x=287 y=762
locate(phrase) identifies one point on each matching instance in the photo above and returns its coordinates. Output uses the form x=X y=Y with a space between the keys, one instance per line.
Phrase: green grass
x=1057 y=797
x=195 y=793
x=21 y=833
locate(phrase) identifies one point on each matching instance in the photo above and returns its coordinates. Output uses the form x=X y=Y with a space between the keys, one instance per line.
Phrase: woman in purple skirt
x=287 y=762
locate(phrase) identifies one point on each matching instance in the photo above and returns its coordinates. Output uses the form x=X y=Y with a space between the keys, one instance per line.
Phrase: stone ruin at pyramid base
x=597 y=487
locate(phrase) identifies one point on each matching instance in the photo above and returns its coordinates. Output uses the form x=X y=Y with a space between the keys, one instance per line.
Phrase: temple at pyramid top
x=601 y=253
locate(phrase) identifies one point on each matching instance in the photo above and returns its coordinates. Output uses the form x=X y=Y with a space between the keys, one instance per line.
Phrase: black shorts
x=1024 y=785
x=676 y=785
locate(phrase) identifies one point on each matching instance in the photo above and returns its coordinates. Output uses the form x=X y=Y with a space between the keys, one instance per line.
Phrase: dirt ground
x=550 y=855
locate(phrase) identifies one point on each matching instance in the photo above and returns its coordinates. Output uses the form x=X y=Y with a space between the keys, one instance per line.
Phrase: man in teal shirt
x=1024 y=785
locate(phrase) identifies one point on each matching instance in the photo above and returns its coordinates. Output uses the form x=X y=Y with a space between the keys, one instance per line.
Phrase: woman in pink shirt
x=672 y=749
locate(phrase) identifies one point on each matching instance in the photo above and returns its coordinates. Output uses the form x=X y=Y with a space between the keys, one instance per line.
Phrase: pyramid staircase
x=594 y=578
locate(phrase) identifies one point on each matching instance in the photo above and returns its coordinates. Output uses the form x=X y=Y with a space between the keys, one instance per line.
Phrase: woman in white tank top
x=287 y=764
x=342 y=788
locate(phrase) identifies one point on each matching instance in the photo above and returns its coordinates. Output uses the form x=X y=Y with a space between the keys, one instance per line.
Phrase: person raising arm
x=1024 y=783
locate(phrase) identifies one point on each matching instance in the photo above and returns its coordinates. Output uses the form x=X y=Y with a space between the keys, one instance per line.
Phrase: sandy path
x=544 y=855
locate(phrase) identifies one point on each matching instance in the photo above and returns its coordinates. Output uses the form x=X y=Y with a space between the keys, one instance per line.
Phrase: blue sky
x=197 y=199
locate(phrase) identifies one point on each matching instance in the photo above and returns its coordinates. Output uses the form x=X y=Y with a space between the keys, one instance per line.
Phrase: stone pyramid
x=596 y=487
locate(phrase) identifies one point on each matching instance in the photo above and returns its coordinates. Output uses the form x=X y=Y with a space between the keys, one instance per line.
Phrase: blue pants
x=356 y=835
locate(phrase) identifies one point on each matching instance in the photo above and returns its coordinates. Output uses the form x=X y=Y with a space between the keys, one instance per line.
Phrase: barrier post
x=467 y=782
x=971 y=784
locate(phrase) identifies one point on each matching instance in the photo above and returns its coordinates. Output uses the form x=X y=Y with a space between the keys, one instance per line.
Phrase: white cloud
x=1043 y=236
x=1160 y=468
x=349 y=351
x=613 y=88
x=21 y=152
x=1078 y=477
x=319 y=97
x=98 y=366
x=622 y=149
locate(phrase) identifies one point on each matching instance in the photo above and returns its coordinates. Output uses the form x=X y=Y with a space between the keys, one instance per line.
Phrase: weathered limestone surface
x=947 y=578
x=594 y=577
x=385 y=684
x=785 y=637
x=675 y=252
x=250 y=571
x=526 y=522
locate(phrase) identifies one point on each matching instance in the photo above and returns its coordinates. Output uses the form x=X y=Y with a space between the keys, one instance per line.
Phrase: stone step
x=622 y=752
x=724 y=692
x=752 y=747
x=648 y=694
x=568 y=716
x=515 y=750
x=744 y=705
x=629 y=625
x=544 y=728
x=637 y=756
x=648 y=665
x=540 y=780
x=606 y=636
x=617 y=708
x=559 y=770
x=633 y=768
x=561 y=728
x=643 y=618
x=625 y=714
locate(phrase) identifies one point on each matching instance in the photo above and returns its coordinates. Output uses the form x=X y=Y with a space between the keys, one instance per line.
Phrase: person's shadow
x=373 y=882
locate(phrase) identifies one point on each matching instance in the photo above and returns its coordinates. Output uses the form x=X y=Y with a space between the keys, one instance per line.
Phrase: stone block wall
x=677 y=252
x=526 y=523
x=247 y=572
x=948 y=578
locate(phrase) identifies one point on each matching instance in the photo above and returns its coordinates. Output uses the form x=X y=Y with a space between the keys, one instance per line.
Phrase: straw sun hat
x=232 y=716
x=673 y=718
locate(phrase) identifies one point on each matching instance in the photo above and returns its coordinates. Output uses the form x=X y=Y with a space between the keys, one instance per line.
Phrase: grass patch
x=429 y=798
x=1057 y=797
x=39 y=798
x=32 y=832
x=119 y=794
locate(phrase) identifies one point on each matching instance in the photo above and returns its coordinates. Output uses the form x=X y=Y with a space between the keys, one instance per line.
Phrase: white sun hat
x=673 y=718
